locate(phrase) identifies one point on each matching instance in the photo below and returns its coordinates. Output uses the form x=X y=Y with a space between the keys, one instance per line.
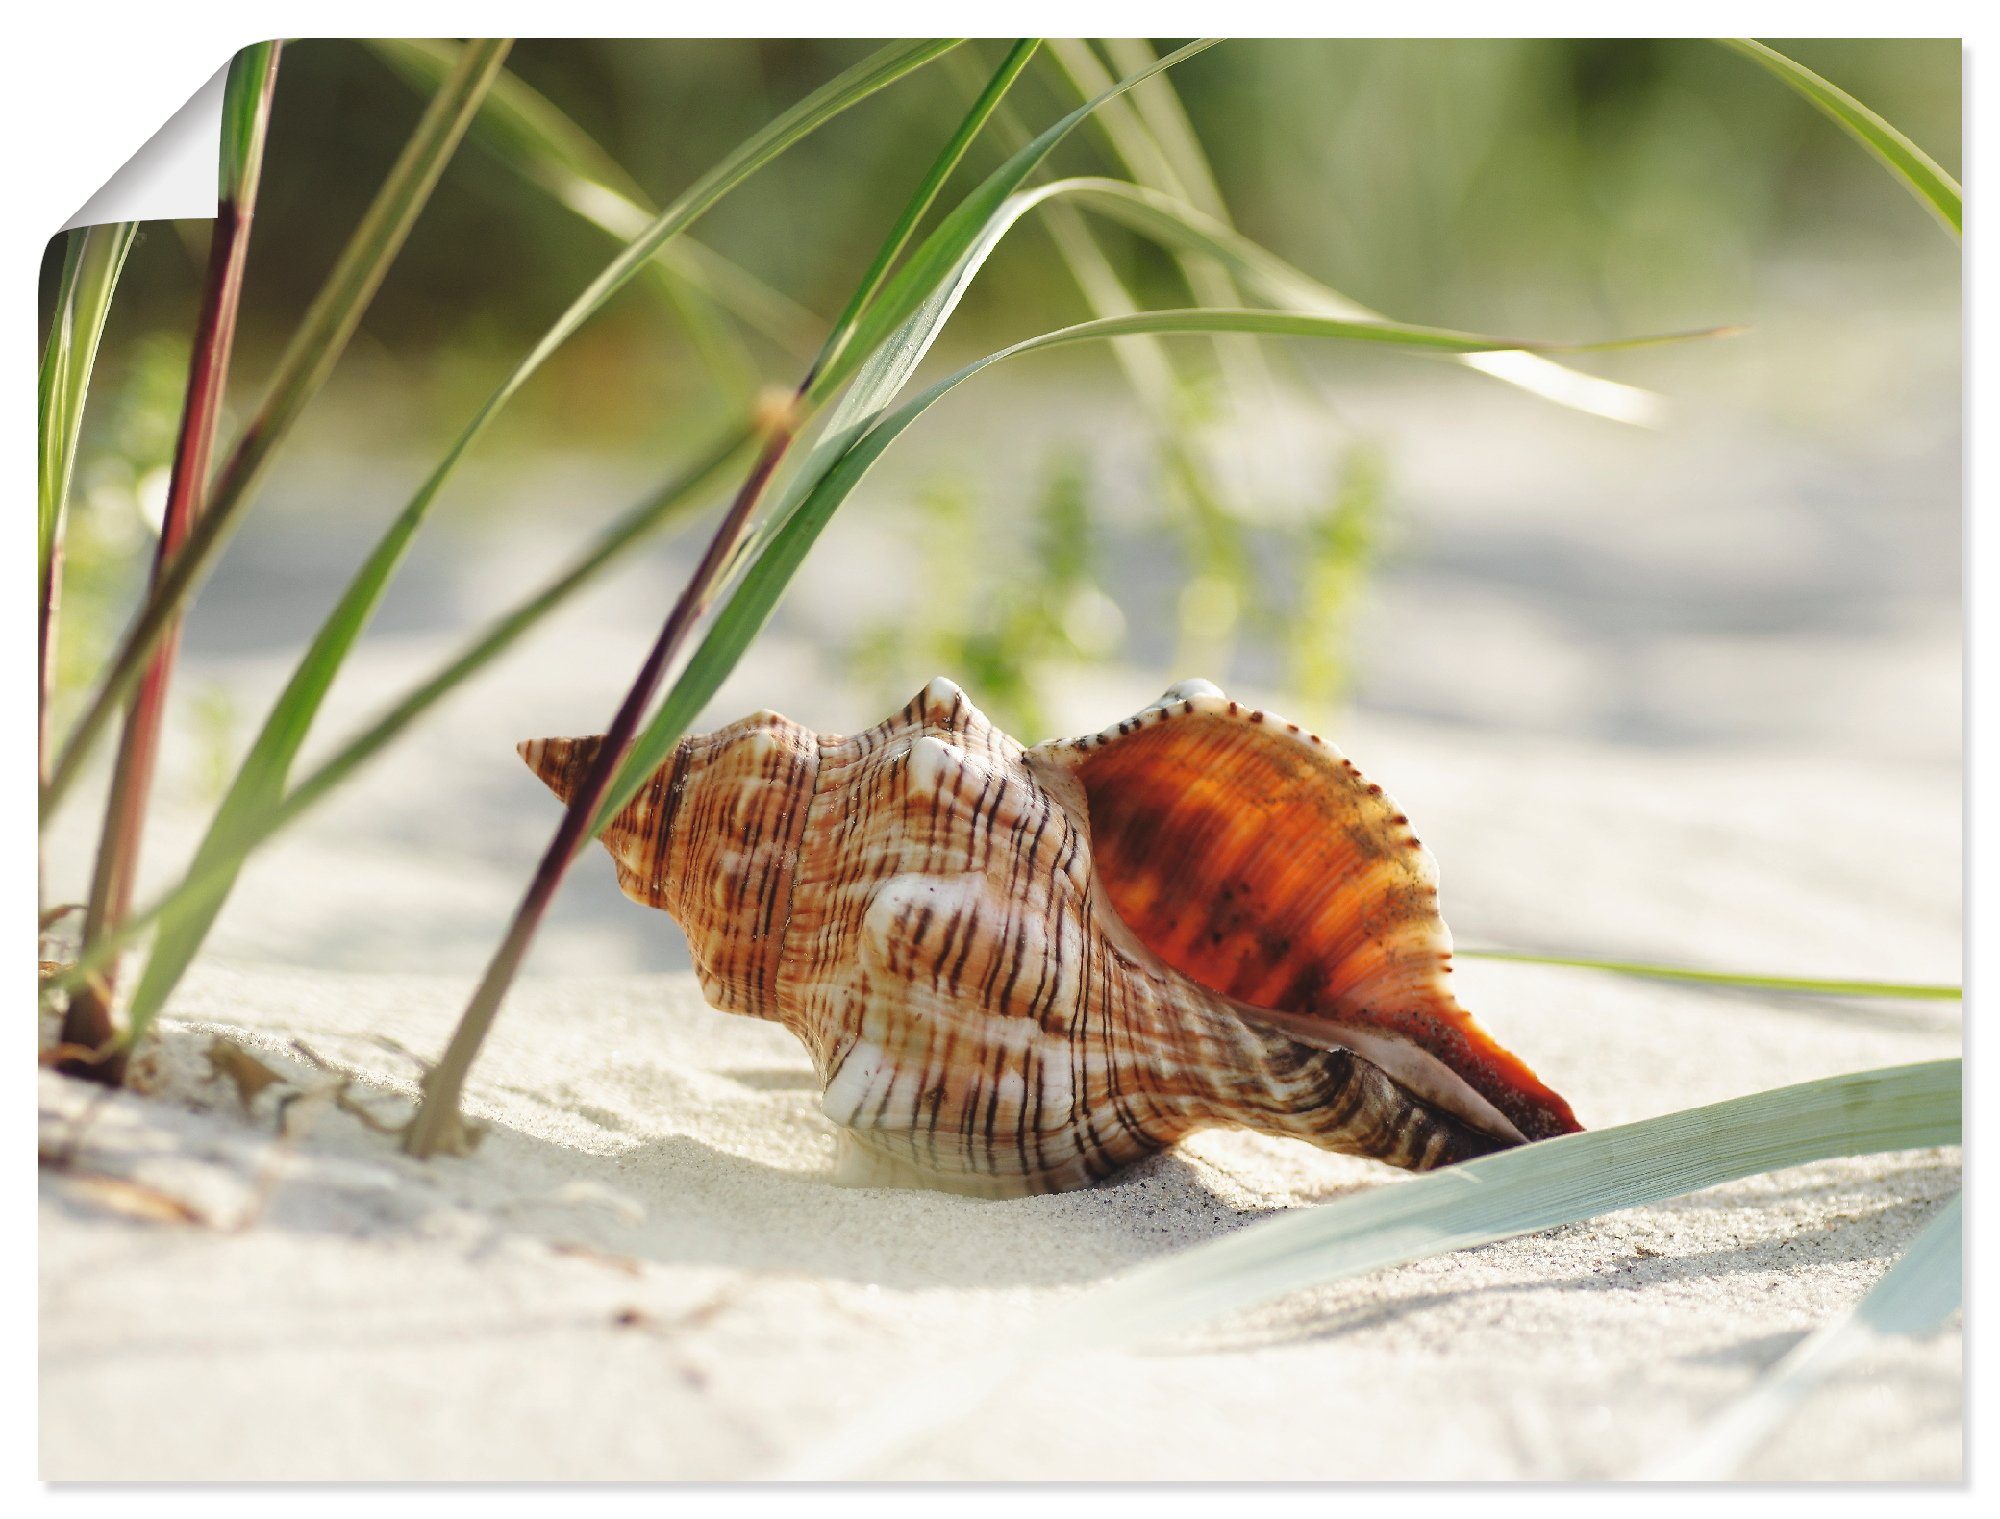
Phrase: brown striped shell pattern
x=1022 y=969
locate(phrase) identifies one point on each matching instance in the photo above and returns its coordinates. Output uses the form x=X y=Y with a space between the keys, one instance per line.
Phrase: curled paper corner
x=173 y=175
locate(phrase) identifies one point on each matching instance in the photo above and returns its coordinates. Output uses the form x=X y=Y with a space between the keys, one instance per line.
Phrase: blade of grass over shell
x=439 y=1124
x=1915 y=1296
x=1909 y=991
x=1915 y=169
x=197 y=889
x=260 y=783
x=784 y=546
x=1519 y=1191
x=93 y=258
x=525 y=129
x=246 y=115
x=310 y=357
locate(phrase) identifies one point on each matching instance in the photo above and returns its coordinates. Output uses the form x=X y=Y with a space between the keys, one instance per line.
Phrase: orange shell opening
x=1252 y=857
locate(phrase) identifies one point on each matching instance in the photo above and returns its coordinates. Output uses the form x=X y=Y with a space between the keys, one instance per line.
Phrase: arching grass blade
x=1918 y=172
x=1175 y=223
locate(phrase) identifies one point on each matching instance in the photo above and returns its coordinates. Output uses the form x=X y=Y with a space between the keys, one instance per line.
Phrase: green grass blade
x=261 y=781
x=1918 y=172
x=969 y=127
x=1914 y=1297
x=1203 y=321
x=526 y=130
x=1519 y=1191
x=1908 y=991
x=1534 y=1187
x=245 y=108
x=92 y=261
x=93 y=258
x=1158 y=106
x=56 y=420
x=935 y=275
x=797 y=527
x=306 y=363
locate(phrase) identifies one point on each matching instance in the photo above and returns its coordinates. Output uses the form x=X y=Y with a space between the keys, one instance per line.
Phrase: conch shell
x=1020 y=970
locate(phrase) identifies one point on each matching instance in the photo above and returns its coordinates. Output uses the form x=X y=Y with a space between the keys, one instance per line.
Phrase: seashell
x=1022 y=969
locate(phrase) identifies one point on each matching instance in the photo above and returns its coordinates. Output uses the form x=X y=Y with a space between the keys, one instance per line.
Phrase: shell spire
x=1021 y=969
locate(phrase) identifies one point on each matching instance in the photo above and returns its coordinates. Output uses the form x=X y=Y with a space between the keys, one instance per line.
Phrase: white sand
x=641 y=1274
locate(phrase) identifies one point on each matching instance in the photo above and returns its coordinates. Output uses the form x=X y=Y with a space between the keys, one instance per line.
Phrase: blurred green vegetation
x=1496 y=185
x=1559 y=187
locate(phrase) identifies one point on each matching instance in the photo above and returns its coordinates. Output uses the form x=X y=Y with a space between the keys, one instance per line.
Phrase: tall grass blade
x=1917 y=171
x=1158 y=106
x=93 y=258
x=307 y=361
x=1908 y=991
x=1520 y=1191
x=246 y=114
x=969 y=127
x=1914 y=1297
x=525 y=129
x=261 y=781
x=439 y=1124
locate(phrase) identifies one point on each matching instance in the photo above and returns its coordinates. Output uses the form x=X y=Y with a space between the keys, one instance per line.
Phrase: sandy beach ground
x=1692 y=696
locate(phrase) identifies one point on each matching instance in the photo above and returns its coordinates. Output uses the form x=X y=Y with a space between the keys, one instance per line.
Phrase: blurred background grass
x=1494 y=185
x=1389 y=541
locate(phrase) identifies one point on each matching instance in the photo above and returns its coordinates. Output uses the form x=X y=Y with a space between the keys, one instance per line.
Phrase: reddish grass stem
x=88 y=1022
